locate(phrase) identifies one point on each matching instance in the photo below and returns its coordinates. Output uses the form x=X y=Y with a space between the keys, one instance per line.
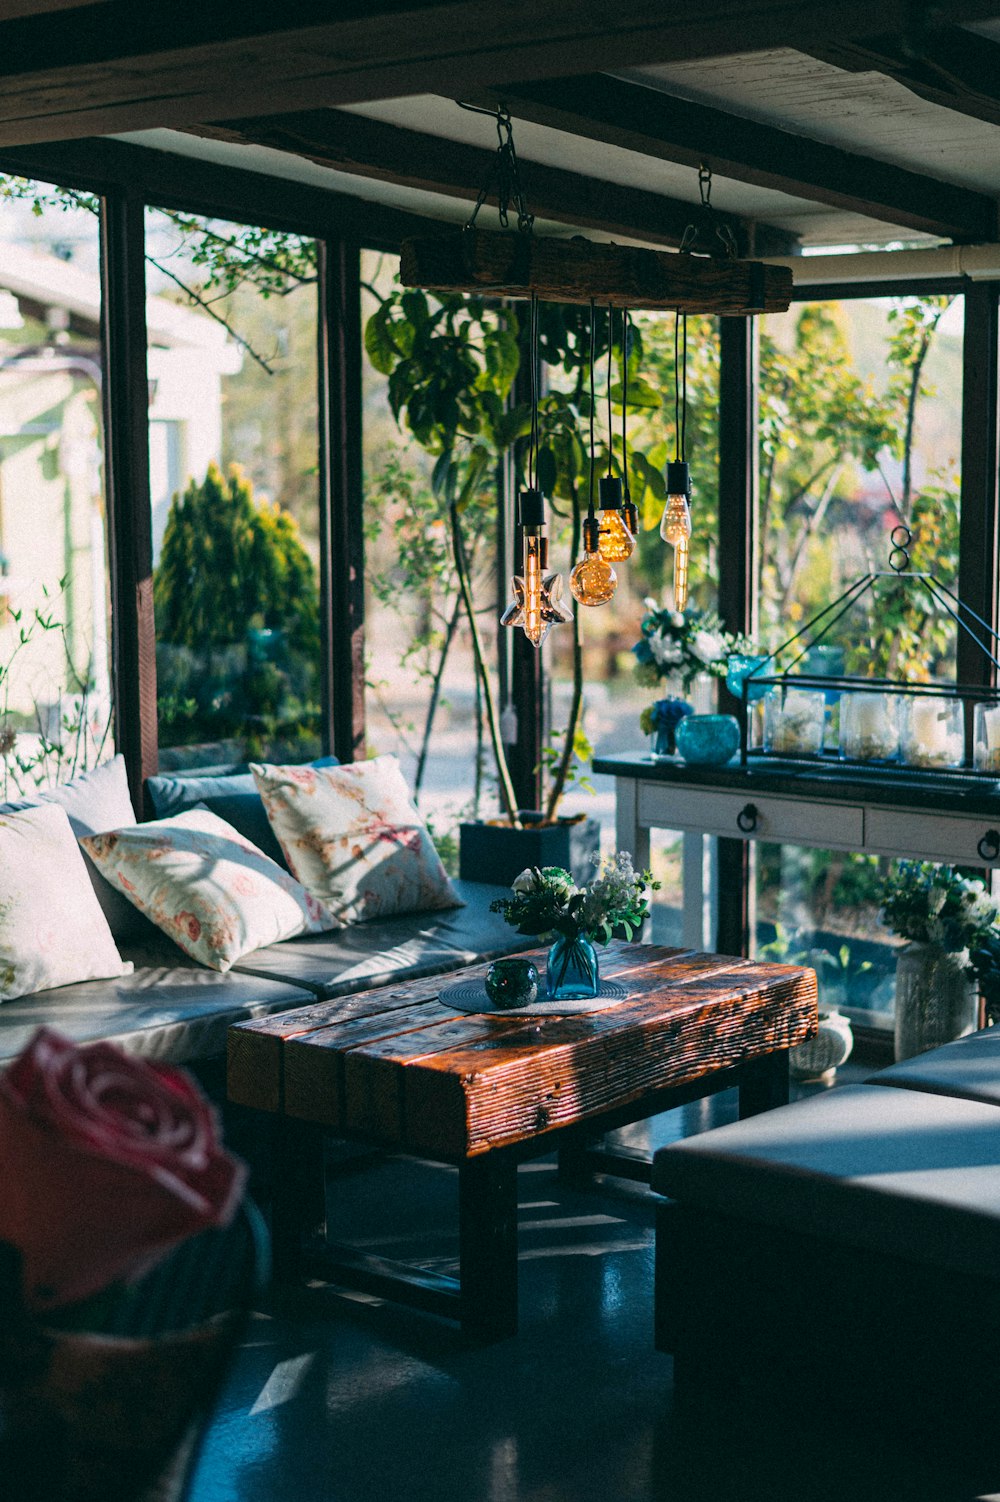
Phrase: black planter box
x=496 y=853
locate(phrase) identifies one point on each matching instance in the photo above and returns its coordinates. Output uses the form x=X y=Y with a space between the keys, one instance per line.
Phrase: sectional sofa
x=172 y=1008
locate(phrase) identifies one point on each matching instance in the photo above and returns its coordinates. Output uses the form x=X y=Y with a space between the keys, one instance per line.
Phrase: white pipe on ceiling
x=980 y=263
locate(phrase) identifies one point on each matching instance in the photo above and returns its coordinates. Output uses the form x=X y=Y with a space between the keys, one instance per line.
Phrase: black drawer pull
x=746 y=820
x=989 y=845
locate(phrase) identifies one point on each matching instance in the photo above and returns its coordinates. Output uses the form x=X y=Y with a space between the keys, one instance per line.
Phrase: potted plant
x=678 y=646
x=451 y=363
x=548 y=904
x=944 y=916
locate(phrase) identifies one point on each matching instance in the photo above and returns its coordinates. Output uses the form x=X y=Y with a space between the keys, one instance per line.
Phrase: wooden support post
x=978 y=526
x=125 y=398
x=298 y=1194
x=737 y=580
x=488 y=1245
x=342 y=548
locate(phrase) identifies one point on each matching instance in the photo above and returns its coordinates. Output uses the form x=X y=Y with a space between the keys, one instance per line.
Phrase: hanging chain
x=505 y=172
x=899 y=557
x=701 y=236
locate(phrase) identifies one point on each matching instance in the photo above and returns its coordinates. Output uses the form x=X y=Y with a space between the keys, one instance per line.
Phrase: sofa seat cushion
x=899 y=1172
x=405 y=948
x=168 y=1008
x=969 y=1067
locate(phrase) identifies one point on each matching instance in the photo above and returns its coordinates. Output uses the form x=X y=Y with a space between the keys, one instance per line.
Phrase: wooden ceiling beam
x=372 y=149
x=960 y=71
x=114 y=66
x=657 y=124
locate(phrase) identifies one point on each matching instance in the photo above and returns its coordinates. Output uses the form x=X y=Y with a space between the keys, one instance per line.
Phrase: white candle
x=930 y=724
x=991 y=724
x=869 y=714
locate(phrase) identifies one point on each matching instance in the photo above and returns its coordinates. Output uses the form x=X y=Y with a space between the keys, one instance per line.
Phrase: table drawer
x=836 y=826
x=933 y=837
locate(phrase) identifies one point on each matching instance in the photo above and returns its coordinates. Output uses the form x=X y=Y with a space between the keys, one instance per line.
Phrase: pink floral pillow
x=206 y=887
x=353 y=836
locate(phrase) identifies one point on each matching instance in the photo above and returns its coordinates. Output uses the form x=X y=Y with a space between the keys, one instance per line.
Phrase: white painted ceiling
x=865 y=113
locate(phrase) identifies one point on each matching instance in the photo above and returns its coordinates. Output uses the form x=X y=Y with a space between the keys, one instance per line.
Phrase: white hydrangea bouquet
x=683 y=643
x=548 y=902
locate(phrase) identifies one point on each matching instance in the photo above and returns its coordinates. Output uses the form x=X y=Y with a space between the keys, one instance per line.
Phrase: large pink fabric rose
x=106 y=1161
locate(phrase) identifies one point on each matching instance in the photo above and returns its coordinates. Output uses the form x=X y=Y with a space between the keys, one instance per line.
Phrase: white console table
x=894 y=813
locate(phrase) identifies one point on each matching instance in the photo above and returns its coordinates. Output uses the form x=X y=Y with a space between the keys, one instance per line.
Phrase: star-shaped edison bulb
x=593 y=581
x=537 y=603
x=616 y=542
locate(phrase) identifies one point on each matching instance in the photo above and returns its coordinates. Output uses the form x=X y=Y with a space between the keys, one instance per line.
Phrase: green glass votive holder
x=512 y=983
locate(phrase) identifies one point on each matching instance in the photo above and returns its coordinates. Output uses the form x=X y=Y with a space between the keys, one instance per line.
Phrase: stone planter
x=935 y=999
x=817 y=1060
x=497 y=853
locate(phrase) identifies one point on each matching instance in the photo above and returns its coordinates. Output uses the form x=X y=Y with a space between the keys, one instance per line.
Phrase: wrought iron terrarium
x=876 y=725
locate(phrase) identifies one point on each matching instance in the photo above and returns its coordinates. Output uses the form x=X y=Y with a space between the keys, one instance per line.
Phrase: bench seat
x=173 y=1009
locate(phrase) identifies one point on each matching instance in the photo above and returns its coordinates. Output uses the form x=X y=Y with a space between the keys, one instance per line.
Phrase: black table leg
x=298 y=1194
x=487 y=1191
x=764 y=1083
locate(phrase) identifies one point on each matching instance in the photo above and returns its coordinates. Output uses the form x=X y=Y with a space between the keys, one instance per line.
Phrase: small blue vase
x=667 y=715
x=708 y=740
x=571 y=970
x=744 y=667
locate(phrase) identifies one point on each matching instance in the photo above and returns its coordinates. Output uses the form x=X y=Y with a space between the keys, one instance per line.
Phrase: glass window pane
x=55 y=608
x=234 y=478
x=423 y=703
x=860 y=431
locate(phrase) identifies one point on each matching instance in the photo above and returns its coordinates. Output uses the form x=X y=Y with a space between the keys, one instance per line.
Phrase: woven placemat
x=470 y=996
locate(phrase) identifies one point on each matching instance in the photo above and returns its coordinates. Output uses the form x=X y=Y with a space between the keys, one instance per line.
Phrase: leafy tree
x=230 y=571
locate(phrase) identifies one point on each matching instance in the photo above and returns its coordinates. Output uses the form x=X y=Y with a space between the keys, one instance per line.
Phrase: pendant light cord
x=680 y=385
x=593 y=358
x=625 y=334
x=533 y=362
x=611 y=431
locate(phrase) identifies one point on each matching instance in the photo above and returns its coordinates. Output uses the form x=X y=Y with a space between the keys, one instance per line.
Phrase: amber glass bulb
x=681 y=574
x=676 y=523
x=593 y=581
x=617 y=542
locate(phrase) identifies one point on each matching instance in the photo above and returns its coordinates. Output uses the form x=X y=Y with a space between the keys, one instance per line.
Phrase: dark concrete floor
x=341 y=1399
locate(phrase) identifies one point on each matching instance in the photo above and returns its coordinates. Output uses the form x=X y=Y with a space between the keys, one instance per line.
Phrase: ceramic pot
x=935 y=999
x=571 y=970
x=818 y=1059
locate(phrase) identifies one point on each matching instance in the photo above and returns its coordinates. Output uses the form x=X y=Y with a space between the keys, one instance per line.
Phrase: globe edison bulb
x=593 y=581
x=616 y=543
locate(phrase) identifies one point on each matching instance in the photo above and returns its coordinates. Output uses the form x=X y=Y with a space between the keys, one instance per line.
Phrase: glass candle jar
x=794 y=722
x=932 y=732
x=869 y=726
x=986 y=744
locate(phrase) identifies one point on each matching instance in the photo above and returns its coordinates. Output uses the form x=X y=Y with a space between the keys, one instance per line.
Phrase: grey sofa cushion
x=404 y=948
x=901 y=1172
x=230 y=793
x=969 y=1067
x=169 y=1008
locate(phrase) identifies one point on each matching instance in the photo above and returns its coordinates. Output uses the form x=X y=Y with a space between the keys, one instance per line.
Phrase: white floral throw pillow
x=352 y=835
x=52 y=929
x=206 y=887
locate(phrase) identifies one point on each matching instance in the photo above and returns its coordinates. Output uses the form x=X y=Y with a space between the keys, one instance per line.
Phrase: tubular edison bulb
x=616 y=541
x=593 y=581
x=675 y=527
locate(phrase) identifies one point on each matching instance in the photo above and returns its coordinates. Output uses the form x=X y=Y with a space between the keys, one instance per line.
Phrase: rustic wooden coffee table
x=396 y=1068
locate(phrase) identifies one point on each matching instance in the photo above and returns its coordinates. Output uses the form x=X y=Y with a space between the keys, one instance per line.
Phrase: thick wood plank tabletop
x=397 y=1067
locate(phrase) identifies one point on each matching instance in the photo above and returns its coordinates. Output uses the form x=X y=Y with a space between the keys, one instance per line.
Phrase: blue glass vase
x=571 y=970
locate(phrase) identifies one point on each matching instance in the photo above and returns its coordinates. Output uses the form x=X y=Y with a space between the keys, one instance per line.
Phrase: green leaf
x=379 y=345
